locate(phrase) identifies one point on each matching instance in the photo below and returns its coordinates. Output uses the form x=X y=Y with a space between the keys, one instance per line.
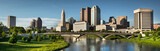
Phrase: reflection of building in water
x=70 y=38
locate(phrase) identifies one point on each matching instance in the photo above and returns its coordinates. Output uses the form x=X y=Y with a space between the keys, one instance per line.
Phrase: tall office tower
x=62 y=25
x=11 y=22
x=102 y=22
x=122 y=21
x=71 y=20
x=112 y=20
x=38 y=23
x=143 y=19
x=82 y=14
x=95 y=15
x=33 y=23
x=86 y=15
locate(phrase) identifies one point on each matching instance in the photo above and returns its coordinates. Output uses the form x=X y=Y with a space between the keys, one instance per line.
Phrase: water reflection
x=96 y=44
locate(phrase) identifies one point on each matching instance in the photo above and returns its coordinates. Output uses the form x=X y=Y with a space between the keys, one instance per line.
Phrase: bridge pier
x=103 y=39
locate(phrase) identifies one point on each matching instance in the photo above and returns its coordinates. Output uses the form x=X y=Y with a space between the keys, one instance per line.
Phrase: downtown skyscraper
x=143 y=19
x=11 y=21
x=95 y=15
x=38 y=23
x=62 y=25
x=85 y=15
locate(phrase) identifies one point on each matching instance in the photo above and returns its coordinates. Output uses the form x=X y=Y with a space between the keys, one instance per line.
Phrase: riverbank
x=58 y=45
x=49 y=44
x=145 y=42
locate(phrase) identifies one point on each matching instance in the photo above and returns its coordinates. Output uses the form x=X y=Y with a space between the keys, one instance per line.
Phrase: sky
x=50 y=10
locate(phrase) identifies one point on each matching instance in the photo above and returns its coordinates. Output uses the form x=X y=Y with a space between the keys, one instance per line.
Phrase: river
x=96 y=44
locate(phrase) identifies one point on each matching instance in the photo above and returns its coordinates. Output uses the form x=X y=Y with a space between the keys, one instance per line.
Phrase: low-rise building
x=103 y=27
x=80 y=26
x=68 y=26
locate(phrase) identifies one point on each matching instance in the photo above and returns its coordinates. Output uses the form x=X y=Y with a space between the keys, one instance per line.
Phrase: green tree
x=139 y=36
x=1 y=28
x=39 y=38
x=13 y=38
x=44 y=36
x=36 y=37
x=38 y=30
x=147 y=34
x=49 y=36
x=28 y=39
x=158 y=29
x=43 y=31
x=24 y=38
x=28 y=31
x=4 y=35
x=30 y=36
x=133 y=36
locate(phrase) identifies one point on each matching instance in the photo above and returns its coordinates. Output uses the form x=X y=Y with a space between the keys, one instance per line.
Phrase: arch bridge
x=101 y=35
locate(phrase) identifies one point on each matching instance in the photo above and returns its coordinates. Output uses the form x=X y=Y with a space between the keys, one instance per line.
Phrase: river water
x=96 y=44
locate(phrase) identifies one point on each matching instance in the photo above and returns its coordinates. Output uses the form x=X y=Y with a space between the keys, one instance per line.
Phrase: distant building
x=38 y=23
x=103 y=27
x=44 y=28
x=68 y=26
x=62 y=25
x=53 y=29
x=11 y=21
x=112 y=20
x=122 y=21
x=85 y=15
x=155 y=26
x=143 y=19
x=33 y=23
x=95 y=15
x=71 y=20
x=80 y=26
x=102 y=22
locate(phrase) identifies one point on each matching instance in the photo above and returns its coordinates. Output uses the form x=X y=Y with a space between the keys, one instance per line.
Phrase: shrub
x=158 y=33
x=139 y=36
x=36 y=38
x=24 y=38
x=43 y=31
x=13 y=38
x=158 y=29
x=147 y=34
x=4 y=35
x=39 y=38
x=137 y=32
x=49 y=36
x=30 y=36
x=133 y=36
x=29 y=39
x=44 y=36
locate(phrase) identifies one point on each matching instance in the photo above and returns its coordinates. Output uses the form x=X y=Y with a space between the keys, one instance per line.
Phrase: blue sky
x=50 y=10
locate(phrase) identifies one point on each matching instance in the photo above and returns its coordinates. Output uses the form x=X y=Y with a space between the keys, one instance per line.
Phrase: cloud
x=25 y=22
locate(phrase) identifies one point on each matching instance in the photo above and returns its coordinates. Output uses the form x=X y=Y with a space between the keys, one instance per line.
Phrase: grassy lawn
x=23 y=46
x=145 y=41
x=54 y=46
x=55 y=43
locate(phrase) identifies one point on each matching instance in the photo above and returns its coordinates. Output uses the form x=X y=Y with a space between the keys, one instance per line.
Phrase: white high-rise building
x=102 y=22
x=62 y=25
x=95 y=15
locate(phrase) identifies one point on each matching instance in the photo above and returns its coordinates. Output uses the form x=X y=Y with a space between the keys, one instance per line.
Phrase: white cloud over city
x=49 y=22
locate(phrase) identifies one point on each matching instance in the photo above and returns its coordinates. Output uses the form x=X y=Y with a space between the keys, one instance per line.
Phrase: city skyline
x=49 y=11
